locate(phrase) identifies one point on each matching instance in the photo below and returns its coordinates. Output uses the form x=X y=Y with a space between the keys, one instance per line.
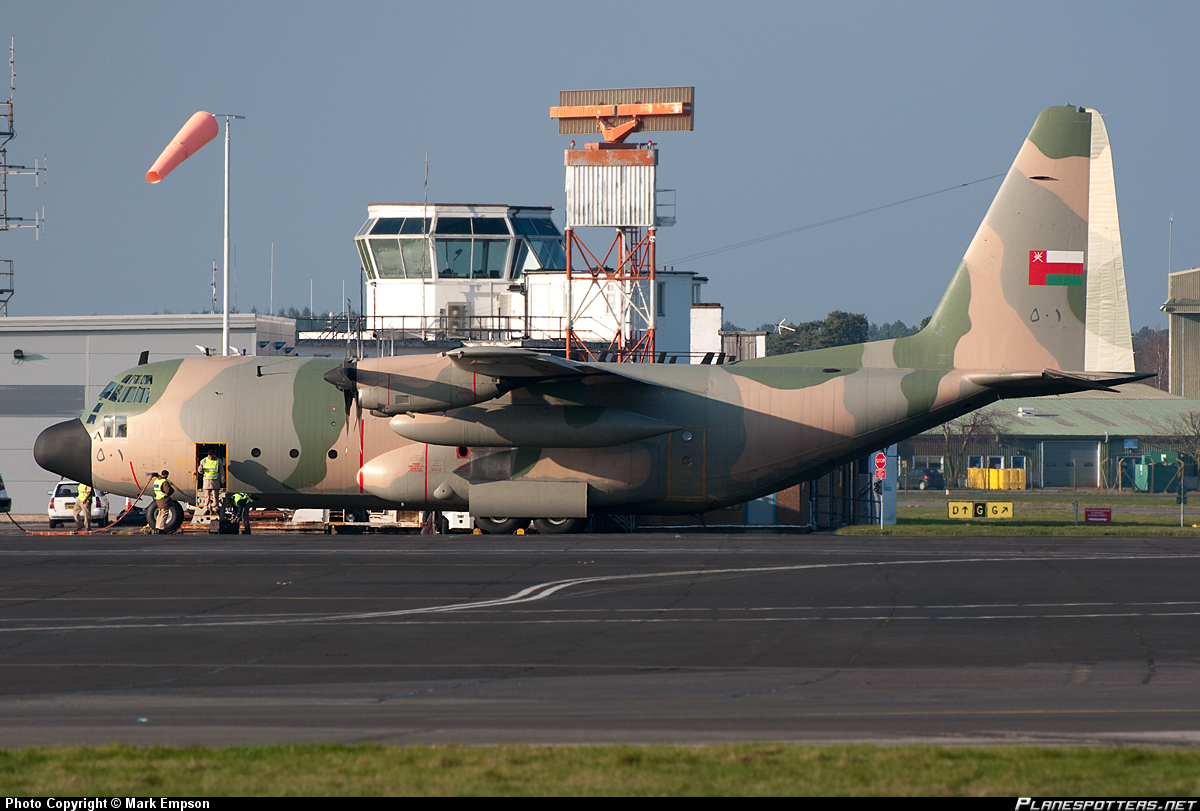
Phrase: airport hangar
x=1088 y=439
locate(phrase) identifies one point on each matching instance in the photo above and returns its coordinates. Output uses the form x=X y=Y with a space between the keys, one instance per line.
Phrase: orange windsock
x=198 y=131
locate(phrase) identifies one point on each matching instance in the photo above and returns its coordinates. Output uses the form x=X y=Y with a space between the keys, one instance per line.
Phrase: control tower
x=495 y=274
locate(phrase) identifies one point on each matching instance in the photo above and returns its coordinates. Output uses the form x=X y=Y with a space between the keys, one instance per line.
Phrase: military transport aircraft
x=512 y=435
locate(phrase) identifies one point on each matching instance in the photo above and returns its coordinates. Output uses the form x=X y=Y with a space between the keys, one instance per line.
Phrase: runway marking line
x=543 y=590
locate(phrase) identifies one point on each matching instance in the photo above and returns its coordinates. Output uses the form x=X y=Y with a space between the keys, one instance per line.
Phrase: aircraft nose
x=65 y=449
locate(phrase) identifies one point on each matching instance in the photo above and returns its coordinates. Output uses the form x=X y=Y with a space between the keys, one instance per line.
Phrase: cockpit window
x=116 y=426
x=137 y=390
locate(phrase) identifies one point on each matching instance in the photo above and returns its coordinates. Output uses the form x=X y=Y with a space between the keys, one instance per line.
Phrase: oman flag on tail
x=1056 y=268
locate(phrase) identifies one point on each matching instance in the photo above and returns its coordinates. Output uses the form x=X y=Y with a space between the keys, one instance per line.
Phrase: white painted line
x=544 y=590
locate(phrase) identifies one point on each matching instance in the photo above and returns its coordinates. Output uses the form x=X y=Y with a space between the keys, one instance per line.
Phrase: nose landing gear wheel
x=174 y=516
x=558 y=526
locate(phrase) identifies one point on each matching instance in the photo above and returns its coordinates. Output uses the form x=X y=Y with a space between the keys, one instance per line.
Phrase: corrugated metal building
x=1183 y=322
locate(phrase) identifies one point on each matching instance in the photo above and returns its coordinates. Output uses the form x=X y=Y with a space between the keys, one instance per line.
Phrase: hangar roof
x=1137 y=411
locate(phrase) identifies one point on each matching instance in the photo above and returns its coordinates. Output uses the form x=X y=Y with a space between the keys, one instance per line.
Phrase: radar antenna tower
x=611 y=183
x=37 y=222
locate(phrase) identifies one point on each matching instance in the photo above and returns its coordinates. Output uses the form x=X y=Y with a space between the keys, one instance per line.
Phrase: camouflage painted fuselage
x=743 y=431
x=431 y=430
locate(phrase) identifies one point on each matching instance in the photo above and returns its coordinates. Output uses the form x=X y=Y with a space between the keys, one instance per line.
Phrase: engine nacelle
x=413 y=383
x=532 y=426
x=418 y=475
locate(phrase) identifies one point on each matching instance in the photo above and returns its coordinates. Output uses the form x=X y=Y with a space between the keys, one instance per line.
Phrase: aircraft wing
x=524 y=366
x=1053 y=381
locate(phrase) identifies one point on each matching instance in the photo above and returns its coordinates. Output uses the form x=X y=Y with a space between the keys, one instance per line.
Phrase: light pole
x=198 y=131
x=225 y=276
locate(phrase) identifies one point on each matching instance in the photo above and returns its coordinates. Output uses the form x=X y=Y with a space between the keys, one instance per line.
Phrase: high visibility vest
x=158 y=488
x=211 y=467
x=242 y=498
x=84 y=493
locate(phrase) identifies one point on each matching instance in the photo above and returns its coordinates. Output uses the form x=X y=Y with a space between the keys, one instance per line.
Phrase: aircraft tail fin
x=1042 y=284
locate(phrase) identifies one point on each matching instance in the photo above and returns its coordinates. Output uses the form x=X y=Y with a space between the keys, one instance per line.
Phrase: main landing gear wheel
x=558 y=526
x=501 y=526
x=174 y=516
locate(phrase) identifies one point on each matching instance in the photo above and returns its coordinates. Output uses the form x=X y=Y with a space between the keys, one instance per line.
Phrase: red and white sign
x=880 y=461
x=1097 y=515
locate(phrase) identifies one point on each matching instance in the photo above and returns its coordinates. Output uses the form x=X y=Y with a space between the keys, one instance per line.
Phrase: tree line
x=1151 y=348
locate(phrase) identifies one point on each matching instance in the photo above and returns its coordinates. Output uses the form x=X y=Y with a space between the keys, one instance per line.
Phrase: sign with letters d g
x=979 y=509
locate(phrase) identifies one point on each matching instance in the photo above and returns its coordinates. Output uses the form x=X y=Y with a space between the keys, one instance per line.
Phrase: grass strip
x=915 y=520
x=119 y=770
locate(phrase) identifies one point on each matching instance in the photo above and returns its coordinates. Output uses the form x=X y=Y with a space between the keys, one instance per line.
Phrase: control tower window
x=536 y=254
x=366 y=229
x=401 y=258
x=490 y=258
x=417 y=225
x=526 y=260
x=387 y=225
x=491 y=226
x=530 y=227
x=472 y=259
x=416 y=256
x=453 y=258
x=387 y=258
x=453 y=225
x=365 y=256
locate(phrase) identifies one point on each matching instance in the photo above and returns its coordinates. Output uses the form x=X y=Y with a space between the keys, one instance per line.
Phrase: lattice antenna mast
x=37 y=222
x=612 y=184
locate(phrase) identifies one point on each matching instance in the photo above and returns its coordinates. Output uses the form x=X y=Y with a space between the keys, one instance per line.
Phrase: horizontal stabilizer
x=1053 y=381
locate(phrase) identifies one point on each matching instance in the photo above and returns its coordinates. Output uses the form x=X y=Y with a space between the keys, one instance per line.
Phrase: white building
x=497 y=273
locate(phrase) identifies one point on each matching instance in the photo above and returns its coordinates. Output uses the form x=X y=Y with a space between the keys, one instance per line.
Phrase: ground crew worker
x=162 y=501
x=210 y=475
x=241 y=510
x=83 y=507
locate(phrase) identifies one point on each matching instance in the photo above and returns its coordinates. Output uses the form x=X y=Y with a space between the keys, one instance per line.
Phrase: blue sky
x=804 y=112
